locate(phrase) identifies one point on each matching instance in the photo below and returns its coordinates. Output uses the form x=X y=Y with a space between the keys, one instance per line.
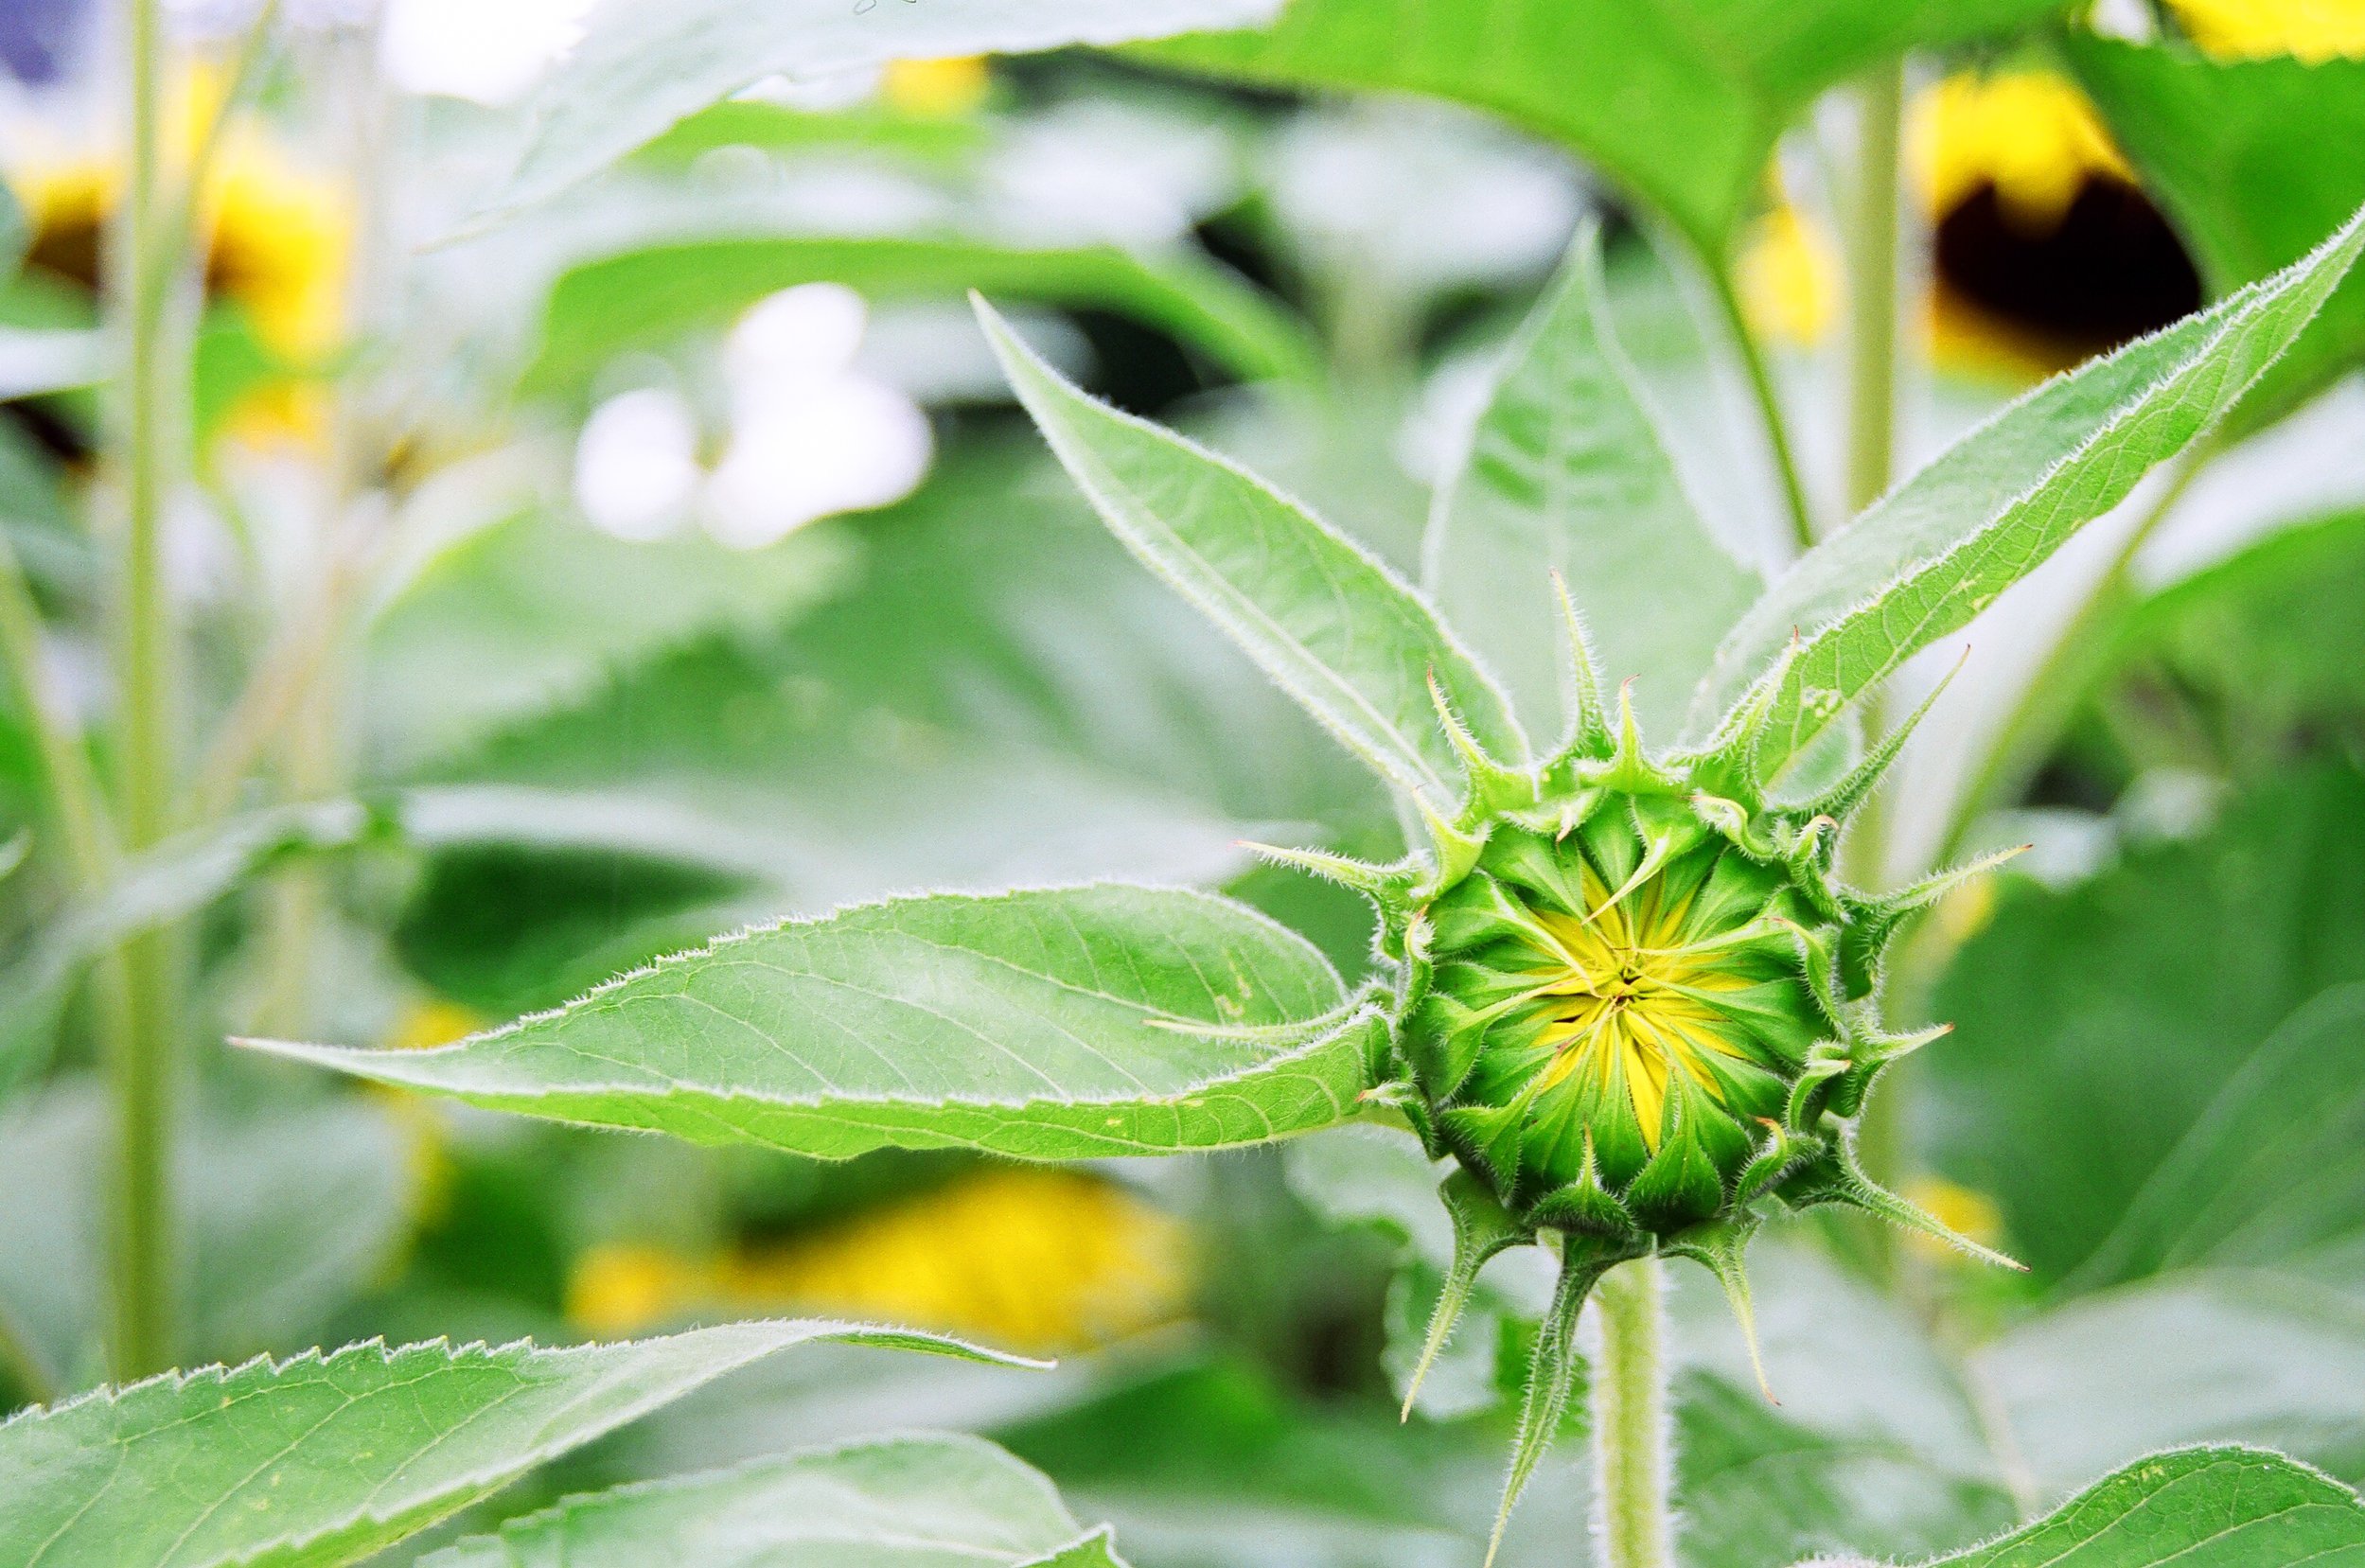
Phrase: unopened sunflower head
x=1636 y=1005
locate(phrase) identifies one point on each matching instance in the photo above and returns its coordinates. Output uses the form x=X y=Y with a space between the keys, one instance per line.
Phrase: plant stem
x=1630 y=1420
x=141 y=1065
x=1760 y=375
x=75 y=801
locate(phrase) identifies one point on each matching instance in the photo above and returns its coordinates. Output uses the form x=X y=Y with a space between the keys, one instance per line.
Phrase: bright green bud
x=1617 y=1017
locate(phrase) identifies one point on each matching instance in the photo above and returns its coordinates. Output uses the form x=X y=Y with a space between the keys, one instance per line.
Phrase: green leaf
x=649 y=296
x=2274 y=1170
x=918 y=1501
x=2201 y=1508
x=1568 y=472
x=537 y=611
x=643 y=66
x=289 y=1212
x=1940 y=547
x=2094 y=1026
x=1053 y=1024
x=2198 y=1357
x=1327 y=620
x=321 y=1461
x=2253 y=160
x=1679 y=100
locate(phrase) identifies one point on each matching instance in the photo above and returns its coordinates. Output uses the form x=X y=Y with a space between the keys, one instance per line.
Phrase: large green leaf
x=289 y=1212
x=927 y=1500
x=2253 y=159
x=1679 y=100
x=1051 y=1024
x=2201 y=1507
x=1567 y=473
x=2273 y=1172
x=1940 y=547
x=1323 y=616
x=321 y=1461
x=644 y=297
x=646 y=64
x=2096 y=1025
x=2189 y=1358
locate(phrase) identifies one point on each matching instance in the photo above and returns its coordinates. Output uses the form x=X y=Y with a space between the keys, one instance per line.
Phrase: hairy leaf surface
x=646 y=64
x=2202 y=1507
x=920 y=1501
x=1322 y=615
x=1936 y=550
x=321 y=1461
x=1051 y=1024
x=1568 y=472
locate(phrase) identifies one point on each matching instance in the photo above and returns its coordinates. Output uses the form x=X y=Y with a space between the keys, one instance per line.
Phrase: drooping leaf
x=1938 y=550
x=2273 y=1172
x=1324 y=618
x=2094 y=1026
x=1568 y=472
x=917 y=1501
x=287 y=1214
x=323 y=1460
x=2201 y=1507
x=1053 y=1024
x=2253 y=159
x=644 y=297
x=1677 y=100
x=644 y=65
x=2202 y=1357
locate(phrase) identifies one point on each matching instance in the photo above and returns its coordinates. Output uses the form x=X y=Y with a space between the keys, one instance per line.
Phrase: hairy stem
x=1769 y=400
x=141 y=1065
x=1630 y=1421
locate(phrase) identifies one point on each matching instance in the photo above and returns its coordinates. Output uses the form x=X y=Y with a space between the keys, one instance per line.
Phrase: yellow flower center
x=1627 y=987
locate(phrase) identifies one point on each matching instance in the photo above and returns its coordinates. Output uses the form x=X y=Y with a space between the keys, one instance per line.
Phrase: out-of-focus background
x=577 y=568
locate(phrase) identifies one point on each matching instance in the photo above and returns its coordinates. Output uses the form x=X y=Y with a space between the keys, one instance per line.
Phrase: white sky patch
x=490 y=51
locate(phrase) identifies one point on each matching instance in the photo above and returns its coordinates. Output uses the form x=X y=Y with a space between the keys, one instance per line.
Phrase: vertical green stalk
x=1873 y=253
x=1630 y=1421
x=141 y=1065
x=1769 y=400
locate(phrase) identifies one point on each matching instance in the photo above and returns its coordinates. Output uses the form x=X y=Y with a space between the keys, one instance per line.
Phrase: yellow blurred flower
x=1789 y=277
x=2031 y=135
x=1962 y=1209
x=422 y=1026
x=275 y=237
x=2314 y=30
x=1023 y=1258
x=941 y=87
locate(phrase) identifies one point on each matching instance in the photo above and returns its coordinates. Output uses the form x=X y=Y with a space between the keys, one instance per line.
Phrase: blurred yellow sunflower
x=2313 y=30
x=2044 y=249
x=1028 y=1259
x=1965 y=1210
x=275 y=237
x=944 y=88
